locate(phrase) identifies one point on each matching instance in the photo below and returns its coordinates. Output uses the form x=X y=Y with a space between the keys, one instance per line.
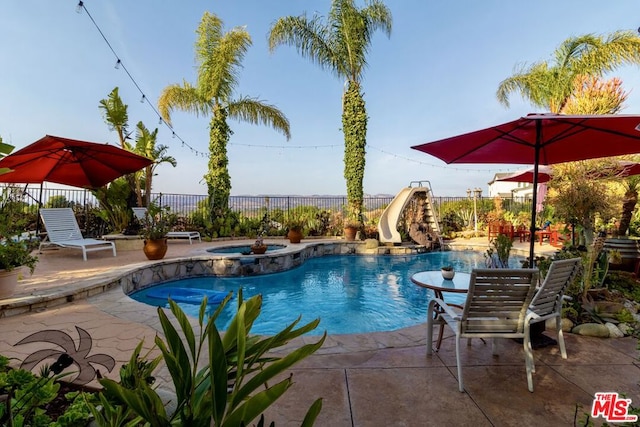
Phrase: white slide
x=388 y=223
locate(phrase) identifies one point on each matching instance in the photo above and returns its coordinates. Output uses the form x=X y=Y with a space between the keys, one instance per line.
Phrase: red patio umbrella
x=542 y=139
x=526 y=175
x=70 y=162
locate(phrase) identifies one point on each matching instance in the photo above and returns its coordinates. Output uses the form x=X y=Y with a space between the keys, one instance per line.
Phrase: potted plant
x=259 y=247
x=295 y=226
x=351 y=228
x=15 y=246
x=447 y=272
x=155 y=227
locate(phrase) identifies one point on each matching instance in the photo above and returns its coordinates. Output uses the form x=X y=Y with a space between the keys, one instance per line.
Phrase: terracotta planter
x=350 y=233
x=258 y=250
x=295 y=235
x=9 y=282
x=155 y=248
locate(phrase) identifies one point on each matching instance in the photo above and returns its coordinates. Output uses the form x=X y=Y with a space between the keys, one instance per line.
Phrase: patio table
x=434 y=281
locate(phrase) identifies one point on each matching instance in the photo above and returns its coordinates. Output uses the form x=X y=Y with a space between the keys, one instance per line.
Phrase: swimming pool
x=350 y=294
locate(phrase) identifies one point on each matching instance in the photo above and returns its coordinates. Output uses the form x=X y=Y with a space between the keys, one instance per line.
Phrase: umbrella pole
x=534 y=198
x=38 y=212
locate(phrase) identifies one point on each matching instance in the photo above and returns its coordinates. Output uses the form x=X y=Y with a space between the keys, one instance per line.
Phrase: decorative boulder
x=371 y=243
x=626 y=328
x=591 y=330
x=566 y=324
x=614 y=331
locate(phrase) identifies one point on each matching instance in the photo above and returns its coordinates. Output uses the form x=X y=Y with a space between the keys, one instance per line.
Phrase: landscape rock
x=631 y=306
x=371 y=243
x=614 y=331
x=626 y=328
x=566 y=324
x=591 y=330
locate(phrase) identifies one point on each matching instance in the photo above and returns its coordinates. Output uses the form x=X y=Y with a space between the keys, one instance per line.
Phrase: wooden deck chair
x=496 y=307
x=140 y=214
x=547 y=302
x=63 y=230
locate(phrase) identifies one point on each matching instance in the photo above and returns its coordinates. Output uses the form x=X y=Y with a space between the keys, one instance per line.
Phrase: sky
x=435 y=77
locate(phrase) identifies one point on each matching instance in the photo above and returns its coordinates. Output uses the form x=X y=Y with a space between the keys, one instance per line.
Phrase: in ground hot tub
x=242 y=249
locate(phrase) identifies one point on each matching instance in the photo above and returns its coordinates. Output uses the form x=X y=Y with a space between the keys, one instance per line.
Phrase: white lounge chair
x=496 y=307
x=547 y=302
x=141 y=213
x=63 y=230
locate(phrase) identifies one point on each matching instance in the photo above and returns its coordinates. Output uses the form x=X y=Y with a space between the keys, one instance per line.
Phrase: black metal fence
x=191 y=205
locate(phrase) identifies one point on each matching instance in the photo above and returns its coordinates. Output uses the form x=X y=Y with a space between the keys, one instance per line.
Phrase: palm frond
x=254 y=111
x=352 y=30
x=220 y=57
x=309 y=36
x=531 y=83
x=619 y=48
x=186 y=98
x=115 y=114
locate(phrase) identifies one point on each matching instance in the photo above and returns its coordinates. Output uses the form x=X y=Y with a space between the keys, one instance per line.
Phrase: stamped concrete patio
x=378 y=379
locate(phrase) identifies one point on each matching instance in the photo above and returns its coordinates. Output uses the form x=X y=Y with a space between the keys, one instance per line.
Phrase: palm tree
x=550 y=85
x=340 y=45
x=146 y=146
x=116 y=115
x=219 y=56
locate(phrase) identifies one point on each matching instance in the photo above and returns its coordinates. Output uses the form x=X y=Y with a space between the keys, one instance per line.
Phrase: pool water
x=350 y=294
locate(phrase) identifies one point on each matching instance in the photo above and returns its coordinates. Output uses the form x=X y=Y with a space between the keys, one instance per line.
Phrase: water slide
x=388 y=223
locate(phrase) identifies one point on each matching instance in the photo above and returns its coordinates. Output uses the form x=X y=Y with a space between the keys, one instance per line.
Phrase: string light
x=119 y=64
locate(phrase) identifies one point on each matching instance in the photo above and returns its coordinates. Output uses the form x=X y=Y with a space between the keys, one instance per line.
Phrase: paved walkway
x=376 y=379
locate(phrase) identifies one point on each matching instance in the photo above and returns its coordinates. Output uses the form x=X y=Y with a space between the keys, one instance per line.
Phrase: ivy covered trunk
x=354 y=126
x=628 y=206
x=217 y=178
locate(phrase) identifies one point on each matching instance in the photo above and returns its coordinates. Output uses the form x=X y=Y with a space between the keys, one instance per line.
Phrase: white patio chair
x=140 y=214
x=63 y=230
x=547 y=302
x=496 y=307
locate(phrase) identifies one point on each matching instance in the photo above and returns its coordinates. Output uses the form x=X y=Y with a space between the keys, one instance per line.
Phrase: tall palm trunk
x=217 y=178
x=628 y=206
x=354 y=127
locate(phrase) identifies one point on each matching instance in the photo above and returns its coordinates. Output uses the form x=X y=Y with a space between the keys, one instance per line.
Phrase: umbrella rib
x=501 y=135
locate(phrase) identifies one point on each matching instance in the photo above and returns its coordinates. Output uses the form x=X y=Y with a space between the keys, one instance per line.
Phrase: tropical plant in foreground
x=25 y=397
x=340 y=45
x=146 y=146
x=498 y=255
x=219 y=379
x=219 y=57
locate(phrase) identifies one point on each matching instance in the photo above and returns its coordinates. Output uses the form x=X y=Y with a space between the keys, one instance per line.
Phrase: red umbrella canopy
x=618 y=169
x=70 y=162
x=542 y=139
x=544 y=175
x=556 y=138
